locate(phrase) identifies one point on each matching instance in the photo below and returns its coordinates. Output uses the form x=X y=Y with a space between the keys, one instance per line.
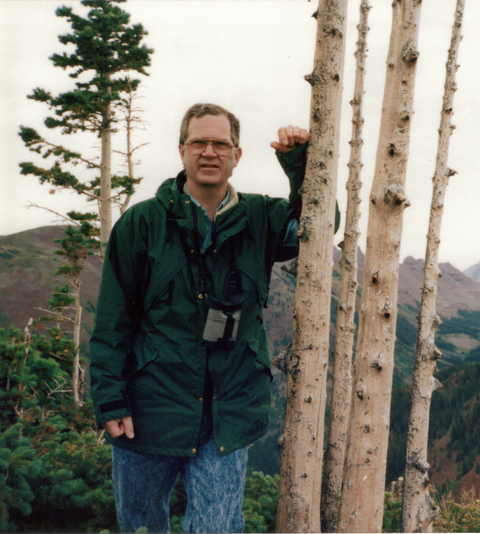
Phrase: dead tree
x=419 y=508
x=345 y=326
x=361 y=504
x=301 y=442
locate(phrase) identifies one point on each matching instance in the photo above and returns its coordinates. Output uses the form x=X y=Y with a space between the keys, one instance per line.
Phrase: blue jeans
x=143 y=485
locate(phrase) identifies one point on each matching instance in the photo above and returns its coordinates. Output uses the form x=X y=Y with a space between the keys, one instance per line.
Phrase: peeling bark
x=345 y=327
x=419 y=510
x=361 y=504
x=307 y=365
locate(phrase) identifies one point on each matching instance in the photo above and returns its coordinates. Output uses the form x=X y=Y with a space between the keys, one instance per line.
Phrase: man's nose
x=209 y=151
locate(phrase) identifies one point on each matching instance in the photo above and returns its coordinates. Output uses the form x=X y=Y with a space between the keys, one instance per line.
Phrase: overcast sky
x=251 y=56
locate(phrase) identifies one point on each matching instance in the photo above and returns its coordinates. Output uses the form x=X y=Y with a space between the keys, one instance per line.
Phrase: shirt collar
x=224 y=202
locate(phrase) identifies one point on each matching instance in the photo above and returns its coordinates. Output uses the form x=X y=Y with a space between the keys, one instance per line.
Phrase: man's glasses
x=198 y=146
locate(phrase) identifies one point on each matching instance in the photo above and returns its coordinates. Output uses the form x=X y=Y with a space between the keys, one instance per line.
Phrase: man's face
x=208 y=169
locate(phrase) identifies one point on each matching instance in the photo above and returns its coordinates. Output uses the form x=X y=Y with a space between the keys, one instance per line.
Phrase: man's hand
x=289 y=138
x=117 y=427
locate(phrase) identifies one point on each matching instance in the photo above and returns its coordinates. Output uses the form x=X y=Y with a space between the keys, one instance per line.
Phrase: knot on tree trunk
x=421 y=464
x=410 y=53
x=378 y=362
x=395 y=195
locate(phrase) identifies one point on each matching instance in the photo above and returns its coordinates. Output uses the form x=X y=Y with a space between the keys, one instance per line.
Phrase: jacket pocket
x=161 y=281
x=144 y=353
x=256 y=273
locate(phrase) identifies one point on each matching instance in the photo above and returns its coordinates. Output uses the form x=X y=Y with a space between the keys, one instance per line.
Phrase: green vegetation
x=458 y=517
x=54 y=468
x=102 y=51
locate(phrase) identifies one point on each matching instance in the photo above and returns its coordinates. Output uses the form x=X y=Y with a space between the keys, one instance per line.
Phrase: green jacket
x=147 y=355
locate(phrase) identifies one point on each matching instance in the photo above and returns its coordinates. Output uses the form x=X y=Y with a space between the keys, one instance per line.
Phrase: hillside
x=28 y=263
x=27 y=276
x=454 y=434
x=473 y=272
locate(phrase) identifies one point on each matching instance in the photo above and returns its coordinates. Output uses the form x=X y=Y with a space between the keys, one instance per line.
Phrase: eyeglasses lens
x=220 y=147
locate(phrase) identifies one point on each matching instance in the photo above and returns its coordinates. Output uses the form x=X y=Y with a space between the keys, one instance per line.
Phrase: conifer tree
x=107 y=48
x=64 y=306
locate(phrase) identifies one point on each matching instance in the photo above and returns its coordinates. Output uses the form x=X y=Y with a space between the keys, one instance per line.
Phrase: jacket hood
x=171 y=187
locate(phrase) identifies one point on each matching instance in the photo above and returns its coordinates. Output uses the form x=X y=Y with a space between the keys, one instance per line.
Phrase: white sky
x=250 y=56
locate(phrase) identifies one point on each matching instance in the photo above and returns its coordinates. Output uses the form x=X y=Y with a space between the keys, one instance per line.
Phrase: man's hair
x=200 y=110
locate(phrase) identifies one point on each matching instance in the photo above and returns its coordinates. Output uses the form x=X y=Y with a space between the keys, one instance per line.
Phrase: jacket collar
x=230 y=220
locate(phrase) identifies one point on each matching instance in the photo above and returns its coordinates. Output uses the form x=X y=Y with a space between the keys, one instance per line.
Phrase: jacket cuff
x=294 y=163
x=109 y=411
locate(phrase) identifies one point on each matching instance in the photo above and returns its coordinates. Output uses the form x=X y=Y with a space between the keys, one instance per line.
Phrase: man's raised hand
x=289 y=137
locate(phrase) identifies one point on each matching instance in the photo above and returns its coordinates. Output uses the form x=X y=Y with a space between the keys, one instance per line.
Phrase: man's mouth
x=208 y=166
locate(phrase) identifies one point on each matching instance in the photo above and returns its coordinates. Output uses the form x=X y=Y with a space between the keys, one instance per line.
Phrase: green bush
x=392 y=507
x=260 y=502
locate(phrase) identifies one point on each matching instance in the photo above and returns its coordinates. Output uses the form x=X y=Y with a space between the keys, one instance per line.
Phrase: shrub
x=459 y=517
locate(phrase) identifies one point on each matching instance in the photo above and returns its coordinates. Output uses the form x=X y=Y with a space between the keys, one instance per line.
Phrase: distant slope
x=27 y=275
x=454 y=433
x=473 y=272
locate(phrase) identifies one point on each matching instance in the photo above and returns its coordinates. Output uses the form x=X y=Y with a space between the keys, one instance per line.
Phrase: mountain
x=458 y=337
x=473 y=272
x=458 y=304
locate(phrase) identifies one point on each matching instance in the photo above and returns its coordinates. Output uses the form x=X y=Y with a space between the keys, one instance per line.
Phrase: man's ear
x=181 y=149
x=238 y=155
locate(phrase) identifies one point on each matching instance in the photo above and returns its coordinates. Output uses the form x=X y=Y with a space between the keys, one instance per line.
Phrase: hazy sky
x=251 y=56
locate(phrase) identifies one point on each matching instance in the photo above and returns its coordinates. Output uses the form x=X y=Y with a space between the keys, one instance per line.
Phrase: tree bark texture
x=77 y=372
x=345 y=327
x=105 y=204
x=301 y=443
x=419 y=508
x=361 y=505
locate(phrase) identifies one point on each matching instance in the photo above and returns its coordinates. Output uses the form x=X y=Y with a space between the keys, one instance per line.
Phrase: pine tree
x=106 y=50
x=64 y=307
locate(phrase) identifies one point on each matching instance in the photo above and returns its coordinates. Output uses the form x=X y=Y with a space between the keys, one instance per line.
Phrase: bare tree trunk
x=77 y=373
x=301 y=443
x=129 y=119
x=106 y=176
x=345 y=327
x=361 y=505
x=419 y=510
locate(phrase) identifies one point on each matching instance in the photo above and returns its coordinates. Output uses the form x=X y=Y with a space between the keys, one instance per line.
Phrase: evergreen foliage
x=54 y=467
x=106 y=50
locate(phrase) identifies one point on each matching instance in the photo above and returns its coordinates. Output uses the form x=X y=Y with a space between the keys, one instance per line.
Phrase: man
x=180 y=370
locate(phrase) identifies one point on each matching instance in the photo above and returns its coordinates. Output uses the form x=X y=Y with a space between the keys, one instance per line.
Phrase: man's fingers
x=113 y=428
x=290 y=136
x=277 y=146
x=128 y=426
x=117 y=427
